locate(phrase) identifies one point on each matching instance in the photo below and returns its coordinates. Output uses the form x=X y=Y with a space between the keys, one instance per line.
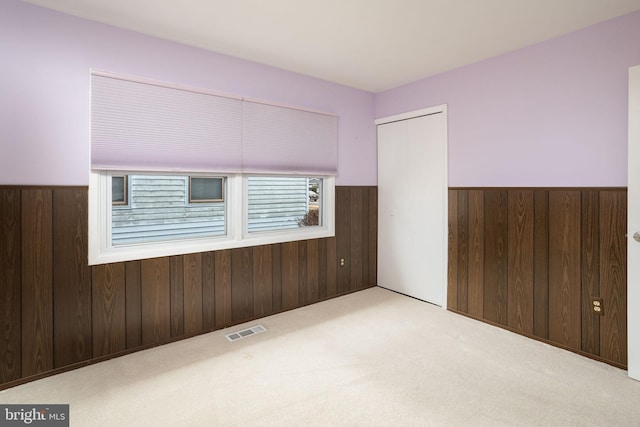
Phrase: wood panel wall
x=531 y=260
x=57 y=312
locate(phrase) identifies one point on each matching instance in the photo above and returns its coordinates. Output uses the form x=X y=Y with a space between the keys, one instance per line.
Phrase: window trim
x=190 y=198
x=125 y=202
x=100 y=250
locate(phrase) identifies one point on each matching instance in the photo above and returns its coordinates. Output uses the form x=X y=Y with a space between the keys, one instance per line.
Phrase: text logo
x=34 y=415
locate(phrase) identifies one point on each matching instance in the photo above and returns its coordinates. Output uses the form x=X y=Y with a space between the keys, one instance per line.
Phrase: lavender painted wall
x=45 y=59
x=553 y=114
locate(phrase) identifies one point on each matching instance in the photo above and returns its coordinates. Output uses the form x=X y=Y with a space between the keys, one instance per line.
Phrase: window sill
x=154 y=250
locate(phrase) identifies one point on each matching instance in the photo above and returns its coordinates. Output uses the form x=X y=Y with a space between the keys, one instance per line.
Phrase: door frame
x=438 y=109
x=633 y=223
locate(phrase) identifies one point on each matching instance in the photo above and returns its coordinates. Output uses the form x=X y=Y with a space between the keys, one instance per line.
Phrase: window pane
x=206 y=189
x=119 y=190
x=277 y=203
x=158 y=210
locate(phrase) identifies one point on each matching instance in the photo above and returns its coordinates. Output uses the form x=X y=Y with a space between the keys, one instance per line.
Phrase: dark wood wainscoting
x=532 y=260
x=58 y=313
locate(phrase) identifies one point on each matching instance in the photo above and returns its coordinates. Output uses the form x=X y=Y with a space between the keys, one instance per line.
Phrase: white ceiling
x=372 y=45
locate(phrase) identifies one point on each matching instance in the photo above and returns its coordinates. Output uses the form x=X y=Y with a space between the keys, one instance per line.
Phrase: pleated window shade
x=149 y=127
x=142 y=126
x=288 y=140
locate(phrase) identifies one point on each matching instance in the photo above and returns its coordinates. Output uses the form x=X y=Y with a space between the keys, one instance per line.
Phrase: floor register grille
x=238 y=335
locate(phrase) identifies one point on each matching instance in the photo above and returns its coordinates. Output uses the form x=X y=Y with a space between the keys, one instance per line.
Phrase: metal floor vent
x=238 y=335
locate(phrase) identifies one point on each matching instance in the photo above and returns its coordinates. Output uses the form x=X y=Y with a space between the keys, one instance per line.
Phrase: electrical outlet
x=341 y=262
x=597 y=306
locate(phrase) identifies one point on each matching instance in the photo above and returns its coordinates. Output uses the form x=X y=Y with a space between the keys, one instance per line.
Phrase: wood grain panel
x=322 y=269
x=192 y=293
x=133 y=303
x=475 y=271
x=590 y=270
x=276 y=258
x=302 y=273
x=37 y=281
x=463 y=251
x=290 y=290
x=366 y=235
x=10 y=278
x=556 y=261
x=104 y=310
x=109 y=326
x=223 y=288
x=262 y=281
x=313 y=268
x=343 y=238
x=71 y=278
x=332 y=267
x=208 y=291
x=452 y=267
x=373 y=236
x=564 y=268
x=541 y=264
x=156 y=300
x=613 y=275
x=496 y=257
x=520 y=263
x=241 y=284
x=176 y=286
x=356 y=243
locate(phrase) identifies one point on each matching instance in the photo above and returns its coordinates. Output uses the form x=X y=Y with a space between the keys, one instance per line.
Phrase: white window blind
x=287 y=140
x=146 y=126
x=150 y=127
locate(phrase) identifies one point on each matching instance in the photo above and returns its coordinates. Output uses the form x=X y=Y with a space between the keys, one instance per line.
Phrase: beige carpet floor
x=373 y=358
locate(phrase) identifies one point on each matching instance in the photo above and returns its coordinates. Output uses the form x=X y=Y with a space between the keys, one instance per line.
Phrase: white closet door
x=412 y=228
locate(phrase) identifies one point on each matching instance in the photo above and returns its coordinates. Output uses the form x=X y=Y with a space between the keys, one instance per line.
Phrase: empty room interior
x=327 y=213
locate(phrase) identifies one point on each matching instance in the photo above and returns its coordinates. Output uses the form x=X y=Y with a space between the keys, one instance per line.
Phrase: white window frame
x=101 y=251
